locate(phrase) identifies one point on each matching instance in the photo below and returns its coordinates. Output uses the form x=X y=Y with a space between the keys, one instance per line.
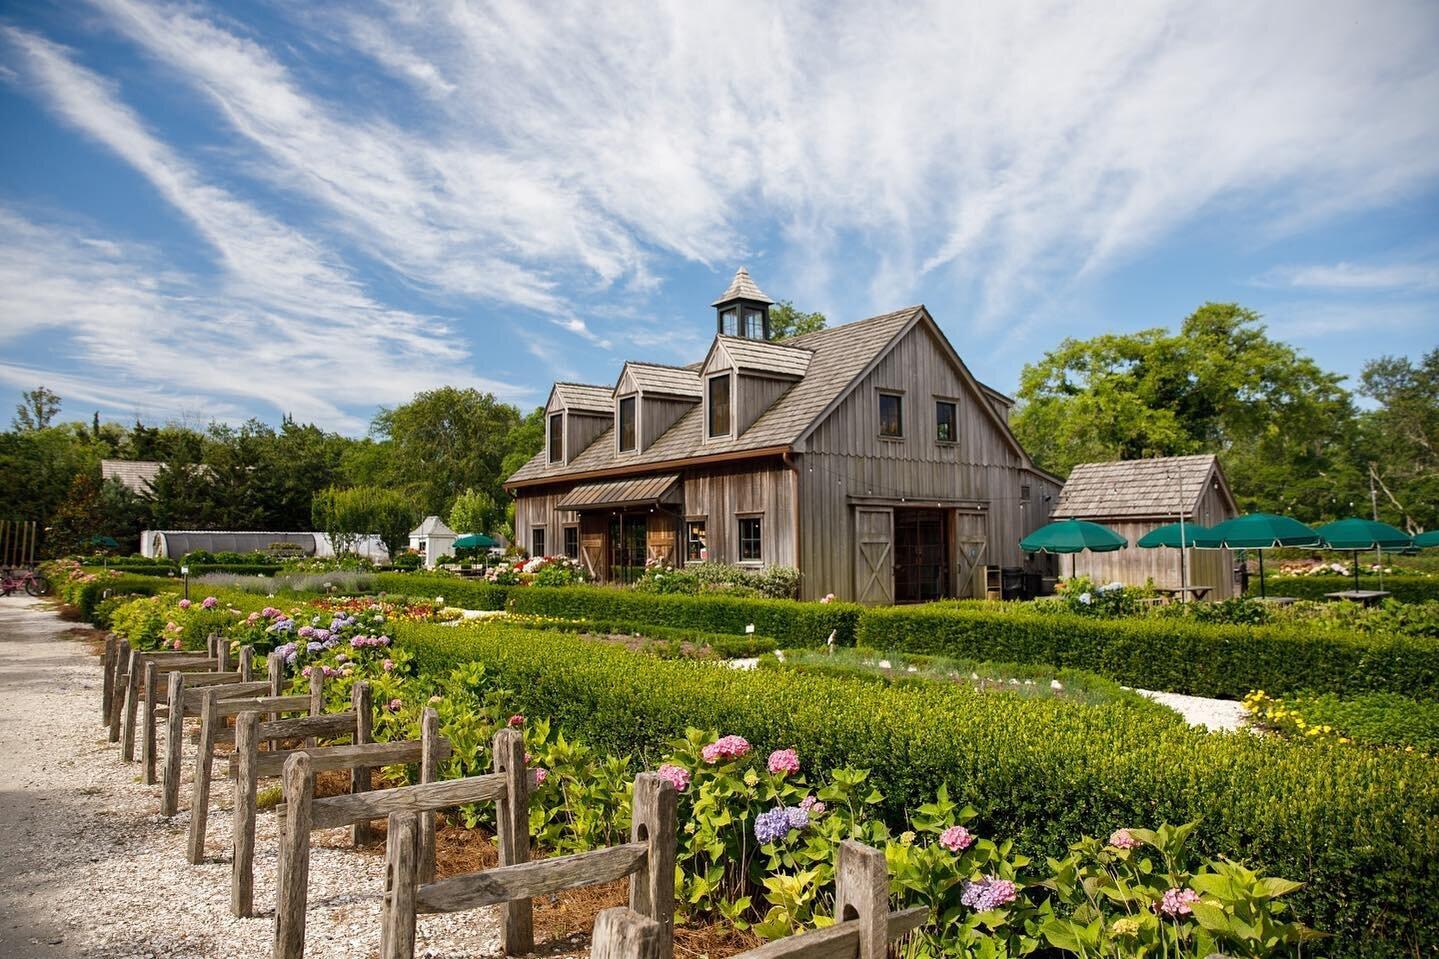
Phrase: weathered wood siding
x=537 y=508
x=846 y=464
x=582 y=429
x=754 y=395
x=720 y=496
x=658 y=414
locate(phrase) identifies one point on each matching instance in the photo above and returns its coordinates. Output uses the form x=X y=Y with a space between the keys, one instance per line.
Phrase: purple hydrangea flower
x=772 y=825
x=798 y=817
x=989 y=893
x=314 y=647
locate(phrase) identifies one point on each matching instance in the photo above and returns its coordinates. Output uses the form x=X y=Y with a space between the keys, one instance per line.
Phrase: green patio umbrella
x=1180 y=536
x=1357 y=533
x=475 y=541
x=1427 y=540
x=109 y=542
x=1072 y=536
x=1260 y=531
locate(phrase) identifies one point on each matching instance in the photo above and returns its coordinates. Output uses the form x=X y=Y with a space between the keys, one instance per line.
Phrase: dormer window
x=743 y=309
x=626 y=425
x=719 y=405
x=557 y=437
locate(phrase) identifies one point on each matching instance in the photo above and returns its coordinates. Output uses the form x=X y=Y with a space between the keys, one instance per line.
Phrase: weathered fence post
x=652 y=887
x=293 y=874
x=512 y=822
x=275 y=673
x=174 y=739
x=247 y=664
x=362 y=832
x=133 y=676
x=622 y=933
x=147 y=743
x=397 y=931
x=317 y=699
x=242 y=860
x=430 y=772
x=117 y=698
x=107 y=671
x=204 y=764
x=222 y=653
x=862 y=893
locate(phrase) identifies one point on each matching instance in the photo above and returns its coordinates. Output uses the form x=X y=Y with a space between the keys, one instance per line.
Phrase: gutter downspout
x=789 y=461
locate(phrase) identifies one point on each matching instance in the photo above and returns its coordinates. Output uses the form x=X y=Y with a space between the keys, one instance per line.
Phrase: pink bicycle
x=28 y=580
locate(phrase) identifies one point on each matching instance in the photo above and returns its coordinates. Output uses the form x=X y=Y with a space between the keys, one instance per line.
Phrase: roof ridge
x=687 y=368
x=778 y=344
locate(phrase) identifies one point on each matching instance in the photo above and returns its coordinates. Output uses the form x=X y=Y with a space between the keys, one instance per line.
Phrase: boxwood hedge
x=465 y=593
x=1408 y=589
x=789 y=623
x=1202 y=659
x=1360 y=828
x=86 y=596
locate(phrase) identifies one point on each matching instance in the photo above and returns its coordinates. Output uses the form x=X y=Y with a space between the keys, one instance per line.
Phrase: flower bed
x=1040 y=771
x=1171 y=655
x=1383 y=720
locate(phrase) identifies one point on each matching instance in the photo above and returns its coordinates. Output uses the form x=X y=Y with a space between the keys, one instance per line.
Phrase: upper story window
x=946 y=421
x=729 y=321
x=754 y=324
x=557 y=438
x=626 y=424
x=719 y=402
x=891 y=415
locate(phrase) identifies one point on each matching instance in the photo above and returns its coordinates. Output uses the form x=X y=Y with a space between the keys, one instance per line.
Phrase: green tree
x=524 y=441
x=1282 y=426
x=1399 y=439
x=36 y=410
x=78 y=519
x=474 y=512
x=346 y=515
x=786 y=321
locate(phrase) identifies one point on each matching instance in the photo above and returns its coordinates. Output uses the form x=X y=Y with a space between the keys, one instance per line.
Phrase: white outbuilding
x=432 y=539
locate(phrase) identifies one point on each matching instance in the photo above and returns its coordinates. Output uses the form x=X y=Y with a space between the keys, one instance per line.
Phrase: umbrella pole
x=1356 y=571
x=1262 y=593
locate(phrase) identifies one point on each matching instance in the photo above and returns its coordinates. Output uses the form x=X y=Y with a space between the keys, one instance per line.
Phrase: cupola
x=743 y=309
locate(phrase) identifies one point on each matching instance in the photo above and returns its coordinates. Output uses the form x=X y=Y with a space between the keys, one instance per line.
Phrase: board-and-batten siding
x=538 y=509
x=1135 y=567
x=846 y=459
x=658 y=414
x=721 y=496
x=754 y=395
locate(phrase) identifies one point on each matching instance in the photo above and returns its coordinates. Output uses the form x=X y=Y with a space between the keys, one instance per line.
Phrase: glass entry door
x=629 y=536
x=921 y=555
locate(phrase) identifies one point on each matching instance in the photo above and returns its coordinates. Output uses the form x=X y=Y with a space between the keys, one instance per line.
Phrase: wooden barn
x=1133 y=497
x=865 y=455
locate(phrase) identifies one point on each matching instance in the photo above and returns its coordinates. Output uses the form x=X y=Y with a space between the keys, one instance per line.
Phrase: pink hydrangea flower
x=678 y=775
x=1121 y=839
x=518 y=719
x=185 y=604
x=1176 y=902
x=175 y=643
x=726 y=747
x=395 y=705
x=210 y=602
x=784 y=762
x=389 y=665
x=305 y=672
x=827 y=598
x=541 y=774
x=956 y=839
x=812 y=806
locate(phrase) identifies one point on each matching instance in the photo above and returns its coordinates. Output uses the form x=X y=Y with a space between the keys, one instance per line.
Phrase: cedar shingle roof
x=742 y=288
x=669 y=380
x=1123 y=489
x=761 y=356
x=137 y=475
x=432 y=526
x=586 y=398
x=838 y=355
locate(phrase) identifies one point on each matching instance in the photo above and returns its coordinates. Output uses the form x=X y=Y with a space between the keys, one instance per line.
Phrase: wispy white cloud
x=1360 y=277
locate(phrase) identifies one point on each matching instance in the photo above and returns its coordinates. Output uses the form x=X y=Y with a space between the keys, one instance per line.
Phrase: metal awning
x=622 y=494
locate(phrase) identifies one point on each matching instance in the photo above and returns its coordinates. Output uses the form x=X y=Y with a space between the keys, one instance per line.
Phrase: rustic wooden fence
x=648 y=860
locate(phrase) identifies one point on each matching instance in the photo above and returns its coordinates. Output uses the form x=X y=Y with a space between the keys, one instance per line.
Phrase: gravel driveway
x=89 y=869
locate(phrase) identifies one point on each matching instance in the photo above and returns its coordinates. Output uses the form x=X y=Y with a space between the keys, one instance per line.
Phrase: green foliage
x=1084 y=597
x=1399 y=439
x=785 y=320
x=1385 y=720
x=348 y=515
x=36 y=409
x=475 y=511
x=464 y=593
x=788 y=622
x=1037 y=770
x=771 y=582
x=1409 y=589
x=1200 y=659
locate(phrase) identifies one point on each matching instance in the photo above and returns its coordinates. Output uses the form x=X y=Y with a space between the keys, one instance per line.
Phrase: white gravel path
x=89 y=869
x=1216 y=715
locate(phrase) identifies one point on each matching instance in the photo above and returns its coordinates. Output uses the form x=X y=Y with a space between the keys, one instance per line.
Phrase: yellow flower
x=1128 y=926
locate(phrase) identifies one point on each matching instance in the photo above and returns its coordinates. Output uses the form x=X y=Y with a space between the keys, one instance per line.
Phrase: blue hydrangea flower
x=772 y=825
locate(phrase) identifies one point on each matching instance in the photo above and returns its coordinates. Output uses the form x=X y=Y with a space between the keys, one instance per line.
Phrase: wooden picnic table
x=1366 y=597
x=1186 y=592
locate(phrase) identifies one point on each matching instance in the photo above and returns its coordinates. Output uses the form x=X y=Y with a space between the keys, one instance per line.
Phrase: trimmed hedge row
x=198 y=569
x=1408 y=589
x=1201 y=659
x=1361 y=828
x=788 y=622
x=86 y=596
x=465 y=593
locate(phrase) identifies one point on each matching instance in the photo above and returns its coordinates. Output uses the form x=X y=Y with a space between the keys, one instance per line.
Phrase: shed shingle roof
x=838 y=355
x=1154 y=487
x=137 y=475
x=658 y=378
x=586 y=398
x=742 y=287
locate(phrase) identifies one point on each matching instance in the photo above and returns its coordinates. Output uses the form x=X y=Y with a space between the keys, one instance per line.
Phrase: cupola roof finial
x=742 y=288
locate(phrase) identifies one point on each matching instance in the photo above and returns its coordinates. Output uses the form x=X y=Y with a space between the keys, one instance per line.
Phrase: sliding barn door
x=874 y=558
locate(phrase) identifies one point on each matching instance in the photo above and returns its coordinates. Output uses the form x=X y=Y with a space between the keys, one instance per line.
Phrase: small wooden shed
x=1133 y=497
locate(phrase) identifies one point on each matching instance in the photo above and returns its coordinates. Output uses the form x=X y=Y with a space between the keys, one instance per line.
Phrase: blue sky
x=225 y=210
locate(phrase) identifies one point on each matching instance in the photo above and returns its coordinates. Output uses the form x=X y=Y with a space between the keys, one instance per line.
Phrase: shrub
x=1200 y=659
x=1371 y=719
x=464 y=593
x=1406 y=588
x=771 y=582
x=1038 y=770
x=787 y=622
